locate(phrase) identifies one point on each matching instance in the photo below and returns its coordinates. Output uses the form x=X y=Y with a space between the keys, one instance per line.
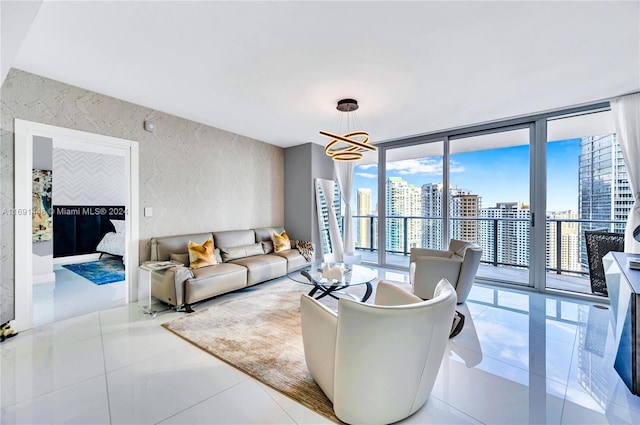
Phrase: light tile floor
x=521 y=358
x=71 y=295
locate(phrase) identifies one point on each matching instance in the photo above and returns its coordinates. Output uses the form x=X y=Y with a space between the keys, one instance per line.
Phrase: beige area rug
x=260 y=334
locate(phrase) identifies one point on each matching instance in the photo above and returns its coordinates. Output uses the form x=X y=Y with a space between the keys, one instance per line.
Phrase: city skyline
x=602 y=190
x=479 y=171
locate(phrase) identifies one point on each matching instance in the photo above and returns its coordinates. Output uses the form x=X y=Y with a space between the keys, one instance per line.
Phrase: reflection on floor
x=521 y=358
x=565 y=282
x=71 y=295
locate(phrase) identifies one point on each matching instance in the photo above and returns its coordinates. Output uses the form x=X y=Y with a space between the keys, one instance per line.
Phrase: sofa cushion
x=262 y=267
x=243 y=251
x=295 y=260
x=264 y=233
x=180 y=258
x=201 y=255
x=232 y=238
x=211 y=281
x=267 y=246
x=281 y=241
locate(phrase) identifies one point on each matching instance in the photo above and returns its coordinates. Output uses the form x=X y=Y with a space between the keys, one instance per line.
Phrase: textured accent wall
x=197 y=178
x=88 y=178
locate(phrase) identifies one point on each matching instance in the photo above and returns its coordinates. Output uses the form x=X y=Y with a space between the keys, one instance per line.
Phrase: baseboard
x=44 y=278
x=72 y=259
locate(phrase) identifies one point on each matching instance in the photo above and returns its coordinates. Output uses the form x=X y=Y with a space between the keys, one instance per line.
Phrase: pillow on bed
x=119 y=225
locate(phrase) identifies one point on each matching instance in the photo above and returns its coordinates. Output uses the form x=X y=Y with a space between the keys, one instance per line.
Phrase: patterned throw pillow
x=281 y=241
x=201 y=255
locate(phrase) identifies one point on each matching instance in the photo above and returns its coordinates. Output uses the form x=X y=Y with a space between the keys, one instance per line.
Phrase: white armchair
x=458 y=264
x=377 y=363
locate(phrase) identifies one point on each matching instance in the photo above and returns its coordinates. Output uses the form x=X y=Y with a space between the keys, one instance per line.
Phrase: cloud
x=426 y=166
x=456 y=167
x=367 y=175
x=416 y=166
x=367 y=166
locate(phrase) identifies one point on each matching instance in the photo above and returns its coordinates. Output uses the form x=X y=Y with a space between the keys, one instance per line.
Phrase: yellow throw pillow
x=281 y=241
x=201 y=255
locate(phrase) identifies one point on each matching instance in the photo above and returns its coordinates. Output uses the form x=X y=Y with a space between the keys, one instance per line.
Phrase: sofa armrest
x=165 y=286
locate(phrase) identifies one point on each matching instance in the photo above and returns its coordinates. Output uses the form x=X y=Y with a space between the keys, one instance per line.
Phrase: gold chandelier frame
x=351 y=145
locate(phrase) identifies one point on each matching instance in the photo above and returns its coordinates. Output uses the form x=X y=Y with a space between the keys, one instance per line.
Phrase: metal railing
x=503 y=233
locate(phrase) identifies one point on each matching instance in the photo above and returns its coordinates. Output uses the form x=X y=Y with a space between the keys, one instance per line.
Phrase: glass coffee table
x=353 y=275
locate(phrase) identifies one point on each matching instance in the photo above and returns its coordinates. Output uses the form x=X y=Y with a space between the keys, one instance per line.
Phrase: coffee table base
x=329 y=290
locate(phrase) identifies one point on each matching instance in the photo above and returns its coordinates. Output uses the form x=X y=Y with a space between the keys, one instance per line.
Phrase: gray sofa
x=245 y=258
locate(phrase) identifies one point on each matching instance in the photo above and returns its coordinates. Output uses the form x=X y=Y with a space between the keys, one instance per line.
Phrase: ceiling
x=274 y=71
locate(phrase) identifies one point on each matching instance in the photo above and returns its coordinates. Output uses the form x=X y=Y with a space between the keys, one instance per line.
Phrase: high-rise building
x=509 y=237
x=432 y=207
x=364 y=225
x=462 y=203
x=569 y=241
x=604 y=191
x=402 y=203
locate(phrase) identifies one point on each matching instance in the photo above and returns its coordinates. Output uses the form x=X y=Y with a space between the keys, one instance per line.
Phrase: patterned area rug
x=260 y=334
x=99 y=272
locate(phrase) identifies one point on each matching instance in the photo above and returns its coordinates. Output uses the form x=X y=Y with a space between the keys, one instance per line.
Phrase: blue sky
x=498 y=175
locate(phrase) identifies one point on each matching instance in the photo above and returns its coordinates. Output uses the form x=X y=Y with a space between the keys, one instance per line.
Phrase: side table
x=144 y=284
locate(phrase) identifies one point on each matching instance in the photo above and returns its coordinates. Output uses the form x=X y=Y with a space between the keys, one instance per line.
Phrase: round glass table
x=353 y=275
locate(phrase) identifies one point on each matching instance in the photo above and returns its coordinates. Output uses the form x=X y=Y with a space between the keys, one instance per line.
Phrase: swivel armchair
x=377 y=363
x=458 y=264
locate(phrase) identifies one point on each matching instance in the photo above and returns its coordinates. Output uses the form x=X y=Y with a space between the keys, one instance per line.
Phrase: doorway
x=25 y=131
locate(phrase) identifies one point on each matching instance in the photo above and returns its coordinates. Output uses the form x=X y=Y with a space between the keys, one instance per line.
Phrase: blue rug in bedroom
x=99 y=272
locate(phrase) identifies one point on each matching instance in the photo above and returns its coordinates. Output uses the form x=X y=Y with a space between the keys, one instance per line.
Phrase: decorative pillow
x=281 y=241
x=243 y=251
x=267 y=246
x=180 y=258
x=216 y=253
x=201 y=255
x=118 y=225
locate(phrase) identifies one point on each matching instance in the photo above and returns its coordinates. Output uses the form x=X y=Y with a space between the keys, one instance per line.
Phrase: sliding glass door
x=490 y=202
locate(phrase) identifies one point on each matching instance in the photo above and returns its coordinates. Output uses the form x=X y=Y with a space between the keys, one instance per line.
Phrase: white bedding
x=112 y=243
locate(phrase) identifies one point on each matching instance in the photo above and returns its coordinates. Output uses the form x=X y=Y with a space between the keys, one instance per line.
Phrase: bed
x=78 y=229
x=113 y=243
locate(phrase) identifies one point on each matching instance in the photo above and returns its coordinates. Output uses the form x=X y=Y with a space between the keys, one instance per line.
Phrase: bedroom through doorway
x=75 y=247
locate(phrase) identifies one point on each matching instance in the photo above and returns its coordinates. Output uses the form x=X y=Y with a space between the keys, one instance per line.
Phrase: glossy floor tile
x=521 y=358
x=71 y=295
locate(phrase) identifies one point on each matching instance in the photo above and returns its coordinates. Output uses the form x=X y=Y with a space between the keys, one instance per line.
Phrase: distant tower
x=604 y=191
x=512 y=237
x=364 y=224
x=403 y=200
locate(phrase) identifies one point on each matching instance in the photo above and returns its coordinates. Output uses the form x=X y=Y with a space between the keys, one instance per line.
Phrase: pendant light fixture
x=350 y=145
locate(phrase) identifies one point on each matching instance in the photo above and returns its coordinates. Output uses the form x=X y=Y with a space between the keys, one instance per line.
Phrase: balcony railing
x=505 y=241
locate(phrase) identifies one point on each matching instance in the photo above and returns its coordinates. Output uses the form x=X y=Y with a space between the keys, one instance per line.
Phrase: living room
x=229 y=106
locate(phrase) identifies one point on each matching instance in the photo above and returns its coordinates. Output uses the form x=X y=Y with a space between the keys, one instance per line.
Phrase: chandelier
x=350 y=145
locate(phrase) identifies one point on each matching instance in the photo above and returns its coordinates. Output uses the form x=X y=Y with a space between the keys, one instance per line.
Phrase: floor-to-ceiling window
x=587 y=190
x=507 y=187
